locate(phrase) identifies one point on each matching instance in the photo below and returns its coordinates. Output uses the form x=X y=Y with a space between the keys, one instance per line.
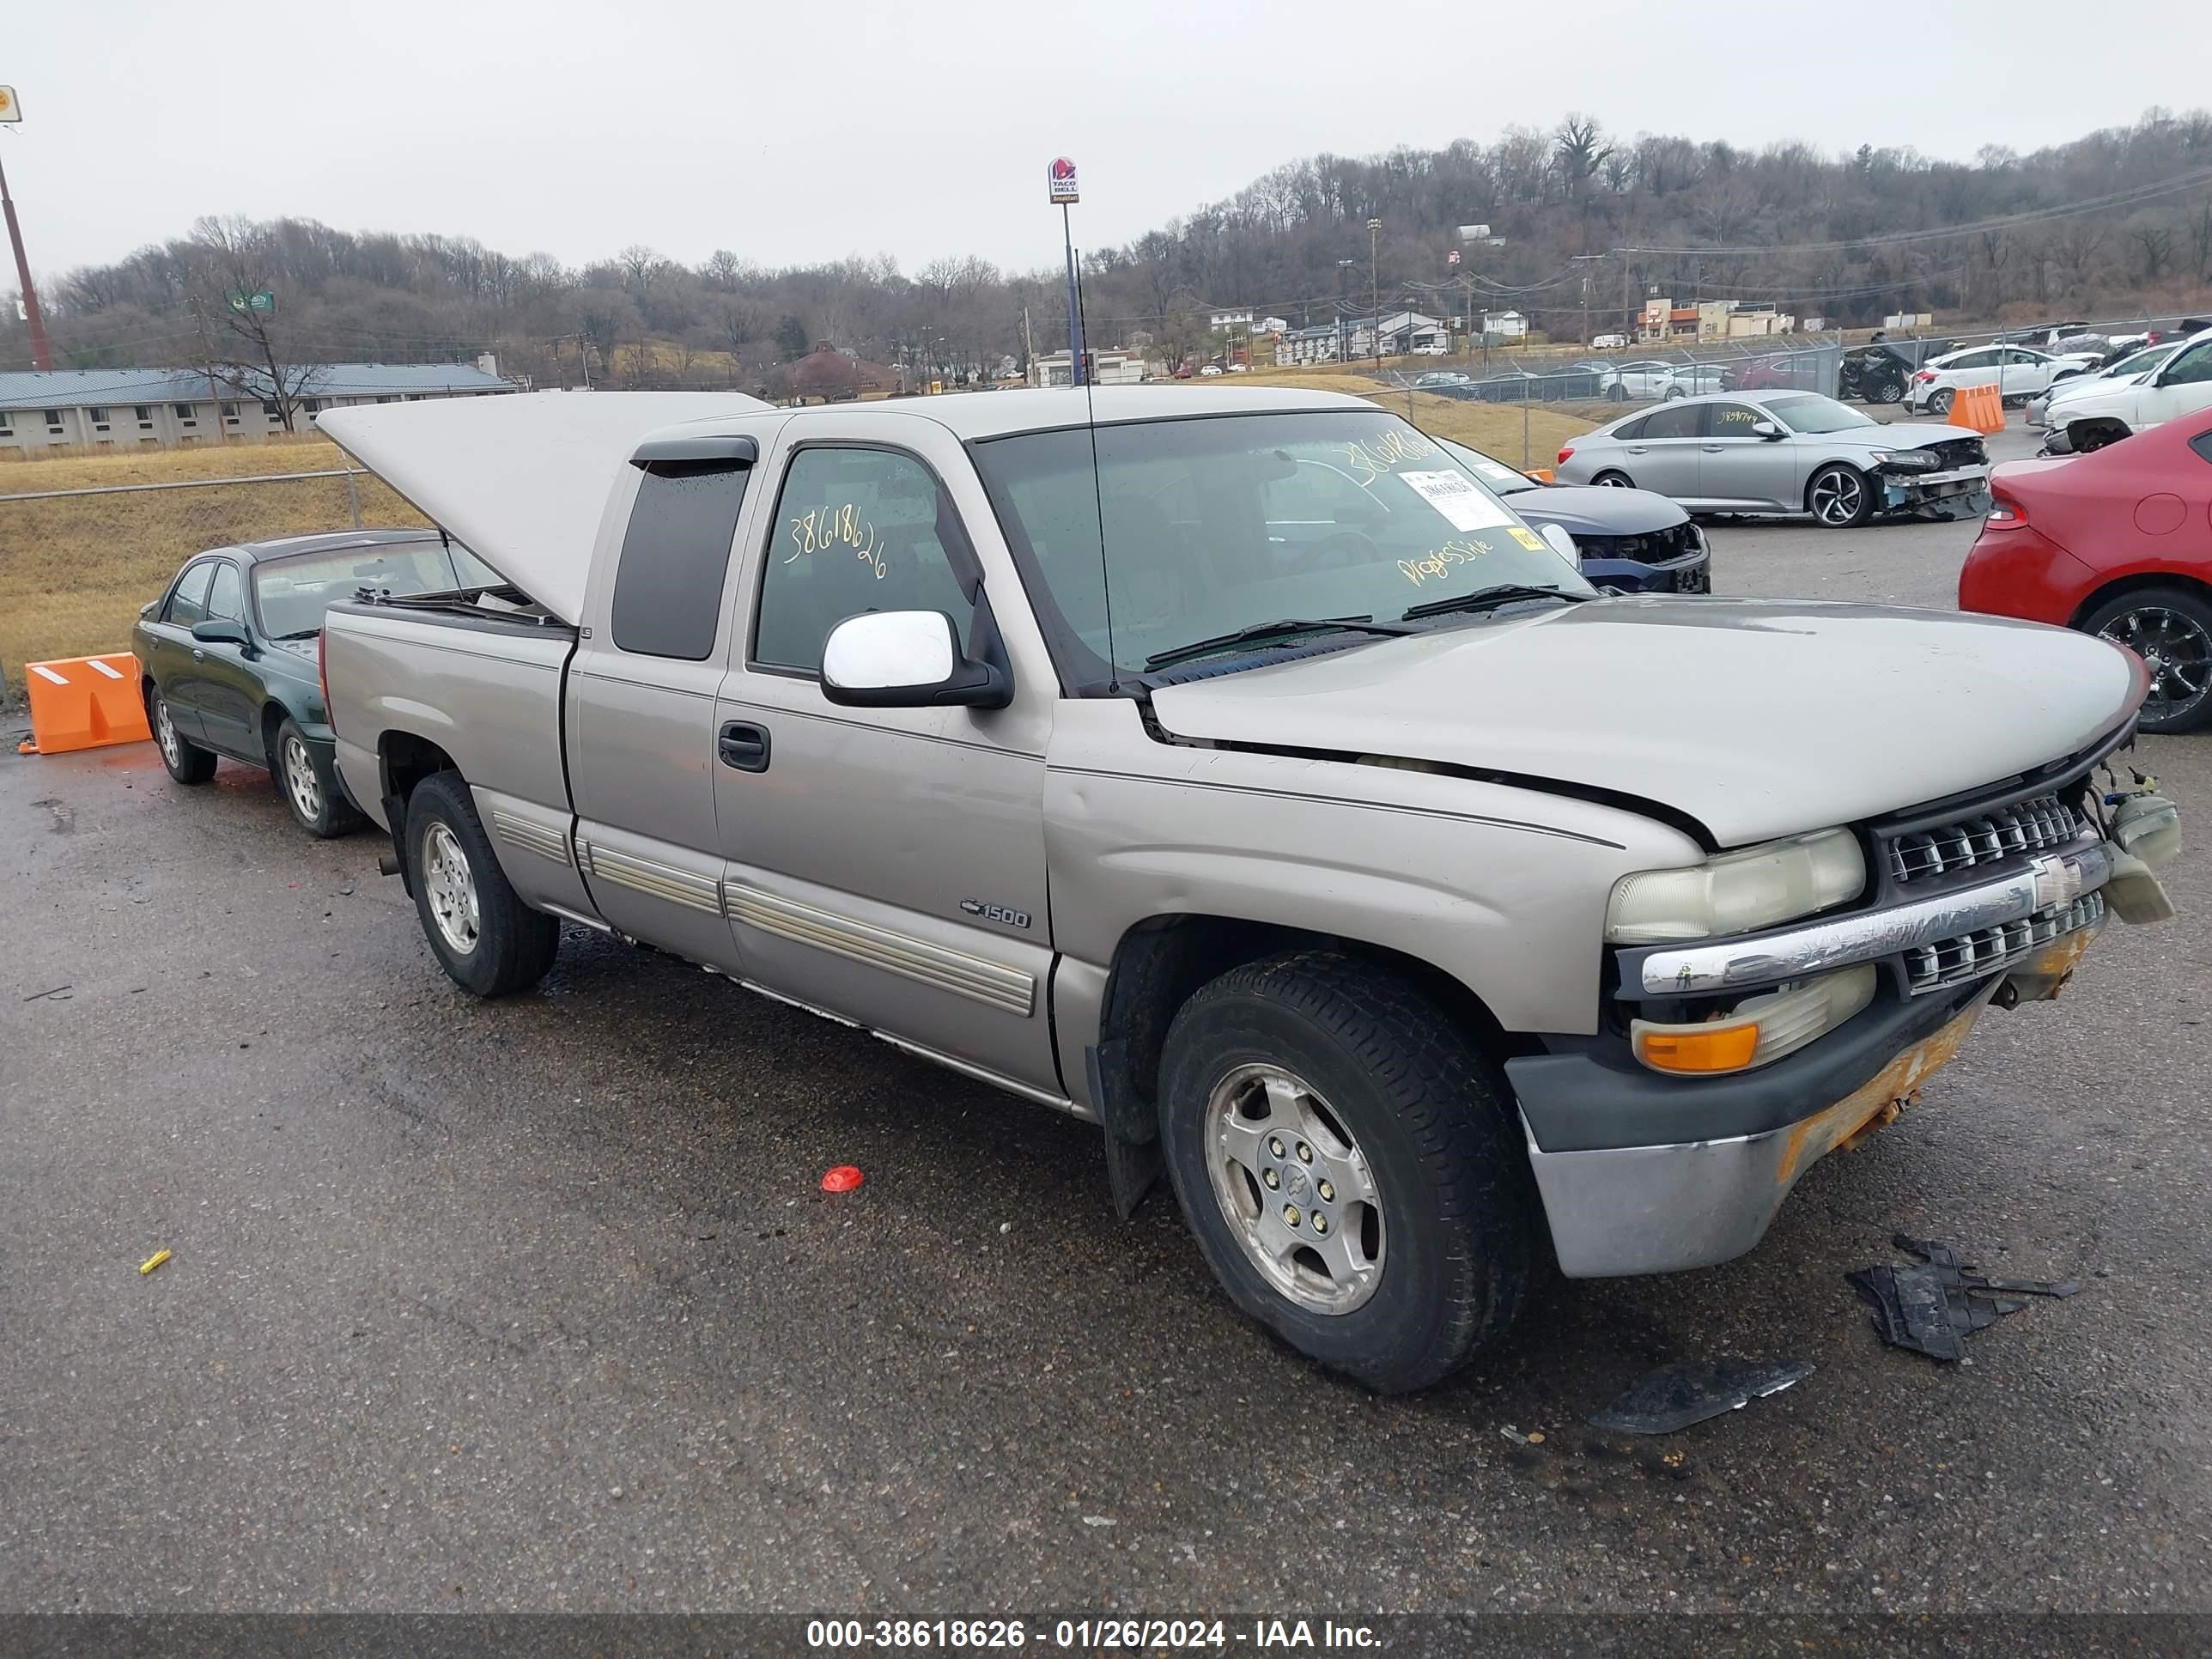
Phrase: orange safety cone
x=85 y=702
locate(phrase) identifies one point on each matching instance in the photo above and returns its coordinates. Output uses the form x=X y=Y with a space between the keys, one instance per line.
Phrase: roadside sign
x=262 y=299
x=1059 y=179
x=1452 y=258
x=11 y=108
x=1475 y=233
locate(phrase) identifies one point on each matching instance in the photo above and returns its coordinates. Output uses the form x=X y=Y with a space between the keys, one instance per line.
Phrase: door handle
x=1639 y=449
x=743 y=745
x=1714 y=449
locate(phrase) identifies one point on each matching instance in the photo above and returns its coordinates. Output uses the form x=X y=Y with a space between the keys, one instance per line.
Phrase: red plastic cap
x=842 y=1179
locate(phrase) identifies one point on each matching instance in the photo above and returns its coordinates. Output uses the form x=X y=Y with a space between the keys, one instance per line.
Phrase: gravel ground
x=537 y=1306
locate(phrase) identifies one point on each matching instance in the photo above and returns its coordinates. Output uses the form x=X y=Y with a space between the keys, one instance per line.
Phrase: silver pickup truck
x=1232 y=769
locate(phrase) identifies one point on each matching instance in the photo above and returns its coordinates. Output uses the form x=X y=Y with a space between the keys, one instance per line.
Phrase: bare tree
x=242 y=340
x=2200 y=240
x=2153 y=241
x=1578 y=150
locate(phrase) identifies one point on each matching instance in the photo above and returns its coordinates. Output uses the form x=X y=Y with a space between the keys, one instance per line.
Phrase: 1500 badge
x=997 y=912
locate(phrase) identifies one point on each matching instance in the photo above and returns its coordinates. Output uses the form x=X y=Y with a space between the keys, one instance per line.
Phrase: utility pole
x=1374 y=286
x=1343 y=274
x=1627 y=299
x=42 y=354
x=1028 y=346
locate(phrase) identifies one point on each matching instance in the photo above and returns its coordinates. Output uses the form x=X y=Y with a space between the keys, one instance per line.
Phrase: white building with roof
x=94 y=409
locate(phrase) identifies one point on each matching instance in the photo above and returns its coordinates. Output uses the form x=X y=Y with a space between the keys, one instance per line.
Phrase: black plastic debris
x=1674 y=1397
x=1933 y=1307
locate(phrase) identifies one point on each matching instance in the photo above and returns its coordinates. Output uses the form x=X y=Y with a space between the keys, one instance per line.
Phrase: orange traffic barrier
x=1543 y=474
x=84 y=702
x=1978 y=408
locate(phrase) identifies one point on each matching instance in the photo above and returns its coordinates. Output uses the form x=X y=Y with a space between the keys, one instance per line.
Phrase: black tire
x=307 y=782
x=1674 y=393
x=2171 y=628
x=1940 y=401
x=1617 y=392
x=512 y=945
x=1614 y=478
x=1456 y=1222
x=1888 y=391
x=1848 y=488
x=187 y=762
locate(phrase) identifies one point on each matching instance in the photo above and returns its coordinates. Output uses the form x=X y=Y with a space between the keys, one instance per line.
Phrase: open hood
x=520 y=481
x=1756 y=718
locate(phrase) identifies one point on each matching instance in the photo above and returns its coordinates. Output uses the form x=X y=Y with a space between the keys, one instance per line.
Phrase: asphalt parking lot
x=537 y=1304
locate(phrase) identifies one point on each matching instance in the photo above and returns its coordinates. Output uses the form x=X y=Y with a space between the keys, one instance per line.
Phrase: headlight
x=1911 y=458
x=1737 y=892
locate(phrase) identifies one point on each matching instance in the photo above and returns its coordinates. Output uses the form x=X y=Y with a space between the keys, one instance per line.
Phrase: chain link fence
x=76 y=565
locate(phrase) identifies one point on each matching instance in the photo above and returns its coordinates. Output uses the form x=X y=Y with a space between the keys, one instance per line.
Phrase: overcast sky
x=800 y=131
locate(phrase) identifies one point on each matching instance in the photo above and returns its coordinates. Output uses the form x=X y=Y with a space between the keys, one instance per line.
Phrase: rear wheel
x=1346 y=1160
x=487 y=939
x=2171 y=630
x=1839 y=497
x=1614 y=480
x=1940 y=402
x=186 y=761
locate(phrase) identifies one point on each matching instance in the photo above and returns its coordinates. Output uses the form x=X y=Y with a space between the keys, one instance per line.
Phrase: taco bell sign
x=1061 y=178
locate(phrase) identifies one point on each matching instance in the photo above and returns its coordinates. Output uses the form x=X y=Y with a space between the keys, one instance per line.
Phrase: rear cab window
x=668 y=585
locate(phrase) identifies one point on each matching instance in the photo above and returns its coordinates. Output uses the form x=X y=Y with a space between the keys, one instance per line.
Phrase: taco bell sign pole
x=1059 y=179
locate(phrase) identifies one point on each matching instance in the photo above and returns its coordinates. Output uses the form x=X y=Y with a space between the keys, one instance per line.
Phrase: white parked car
x=2016 y=372
x=2125 y=370
x=1654 y=377
x=1609 y=343
x=1210 y=370
x=2105 y=411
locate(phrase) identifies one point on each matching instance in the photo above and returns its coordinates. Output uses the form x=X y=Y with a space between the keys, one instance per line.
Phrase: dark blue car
x=1630 y=539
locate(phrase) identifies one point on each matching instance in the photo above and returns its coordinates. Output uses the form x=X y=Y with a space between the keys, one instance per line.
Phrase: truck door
x=641 y=699
x=886 y=865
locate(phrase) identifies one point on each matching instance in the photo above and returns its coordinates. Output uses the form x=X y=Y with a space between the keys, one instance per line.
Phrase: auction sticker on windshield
x=1454 y=495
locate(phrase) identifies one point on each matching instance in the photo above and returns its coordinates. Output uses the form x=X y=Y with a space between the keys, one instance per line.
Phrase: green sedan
x=228 y=655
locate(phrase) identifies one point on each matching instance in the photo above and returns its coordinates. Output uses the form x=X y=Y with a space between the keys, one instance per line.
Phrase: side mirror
x=906 y=660
x=1766 y=429
x=218 y=631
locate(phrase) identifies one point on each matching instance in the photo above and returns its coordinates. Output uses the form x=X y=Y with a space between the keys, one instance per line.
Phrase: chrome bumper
x=2037 y=884
x=1616 y=1211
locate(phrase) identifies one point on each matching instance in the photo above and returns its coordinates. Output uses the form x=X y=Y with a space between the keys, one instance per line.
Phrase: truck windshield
x=1215 y=525
x=290 y=593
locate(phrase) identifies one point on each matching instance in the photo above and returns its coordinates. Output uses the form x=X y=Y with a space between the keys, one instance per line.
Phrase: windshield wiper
x=1264 y=630
x=1489 y=598
x=300 y=633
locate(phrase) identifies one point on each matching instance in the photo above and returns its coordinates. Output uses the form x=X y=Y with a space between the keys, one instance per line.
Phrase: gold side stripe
x=990 y=982
x=525 y=837
x=660 y=881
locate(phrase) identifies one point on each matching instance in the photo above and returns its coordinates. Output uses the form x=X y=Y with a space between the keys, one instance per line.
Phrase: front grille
x=1987 y=950
x=1657 y=547
x=2027 y=826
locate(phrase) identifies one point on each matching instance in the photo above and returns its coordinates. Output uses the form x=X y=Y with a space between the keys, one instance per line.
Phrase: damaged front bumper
x=1960 y=493
x=1644 y=1173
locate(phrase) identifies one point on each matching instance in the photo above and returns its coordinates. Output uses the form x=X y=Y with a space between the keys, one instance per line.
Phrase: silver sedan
x=1785 y=452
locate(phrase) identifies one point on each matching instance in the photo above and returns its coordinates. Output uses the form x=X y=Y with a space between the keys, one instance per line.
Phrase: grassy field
x=1494 y=428
x=74 y=571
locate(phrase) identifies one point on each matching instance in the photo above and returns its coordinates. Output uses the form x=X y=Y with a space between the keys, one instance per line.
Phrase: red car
x=2116 y=543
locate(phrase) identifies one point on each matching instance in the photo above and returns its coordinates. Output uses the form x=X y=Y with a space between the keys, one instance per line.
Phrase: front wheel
x=1888 y=391
x=2171 y=630
x=1346 y=1160
x=1839 y=497
x=308 y=781
x=485 y=938
x=187 y=762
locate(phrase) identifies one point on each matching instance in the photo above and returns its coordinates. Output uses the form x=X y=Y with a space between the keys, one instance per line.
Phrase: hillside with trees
x=2114 y=224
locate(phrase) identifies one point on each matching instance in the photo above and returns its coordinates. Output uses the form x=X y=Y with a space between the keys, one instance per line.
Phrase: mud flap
x=1132 y=1130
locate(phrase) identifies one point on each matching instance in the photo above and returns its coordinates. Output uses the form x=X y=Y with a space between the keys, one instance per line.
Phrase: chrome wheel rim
x=1613 y=481
x=1295 y=1189
x=1837 y=497
x=165 y=733
x=451 y=886
x=2176 y=651
x=299 y=781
